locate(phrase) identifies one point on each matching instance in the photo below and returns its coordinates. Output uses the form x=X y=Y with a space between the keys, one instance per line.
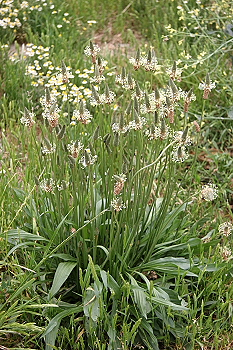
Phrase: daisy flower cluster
x=30 y=50
x=58 y=79
x=13 y=14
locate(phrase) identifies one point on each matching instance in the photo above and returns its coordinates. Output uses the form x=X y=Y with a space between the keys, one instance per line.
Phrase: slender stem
x=156 y=160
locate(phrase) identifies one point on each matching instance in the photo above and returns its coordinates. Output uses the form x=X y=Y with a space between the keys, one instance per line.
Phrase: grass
x=115 y=181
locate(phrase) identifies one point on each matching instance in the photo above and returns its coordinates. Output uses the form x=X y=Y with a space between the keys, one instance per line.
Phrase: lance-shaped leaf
x=63 y=271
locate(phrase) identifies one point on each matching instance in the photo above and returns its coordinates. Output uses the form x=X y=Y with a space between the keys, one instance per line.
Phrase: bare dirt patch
x=113 y=43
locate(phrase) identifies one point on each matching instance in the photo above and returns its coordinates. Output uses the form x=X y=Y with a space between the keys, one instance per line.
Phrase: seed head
x=207 y=86
x=151 y=62
x=48 y=148
x=188 y=98
x=179 y=154
x=197 y=126
x=118 y=204
x=137 y=61
x=226 y=253
x=225 y=229
x=209 y=192
x=182 y=138
x=88 y=158
x=74 y=148
x=82 y=114
x=98 y=77
x=52 y=115
x=95 y=98
x=174 y=72
x=92 y=51
x=48 y=185
x=120 y=181
x=28 y=118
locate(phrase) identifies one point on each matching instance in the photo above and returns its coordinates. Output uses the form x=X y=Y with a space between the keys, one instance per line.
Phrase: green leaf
x=183 y=263
x=211 y=267
x=230 y=112
x=104 y=277
x=24 y=244
x=91 y=304
x=16 y=235
x=21 y=194
x=109 y=282
x=151 y=213
x=169 y=265
x=104 y=249
x=193 y=242
x=94 y=269
x=42 y=306
x=160 y=296
x=114 y=286
x=99 y=206
x=19 y=290
x=62 y=273
x=140 y=297
x=50 y=334
x=171 y=216
x=147 y=335
x=66 y=257
x=161 y=301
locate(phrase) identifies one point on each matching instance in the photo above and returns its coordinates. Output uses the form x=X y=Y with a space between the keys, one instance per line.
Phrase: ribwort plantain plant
x=106 y=213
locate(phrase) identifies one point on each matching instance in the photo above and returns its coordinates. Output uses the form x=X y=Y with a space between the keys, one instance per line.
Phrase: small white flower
x=179 y=154
x=28 y=118
x=118 y=204
x=226 y=253
x=83 y=116
x=48 y=185
x=225 y=229
x=88 y=158
x=178 y=137
x=48 y=149
x=74 y=148
x=209 y=192
x=204 y=86
x=207 y=86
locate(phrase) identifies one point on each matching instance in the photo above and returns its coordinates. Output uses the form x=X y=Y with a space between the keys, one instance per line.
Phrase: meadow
x=116 y=186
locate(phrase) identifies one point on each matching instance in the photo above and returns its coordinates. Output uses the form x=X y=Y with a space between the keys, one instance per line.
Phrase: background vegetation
x=116 y=220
